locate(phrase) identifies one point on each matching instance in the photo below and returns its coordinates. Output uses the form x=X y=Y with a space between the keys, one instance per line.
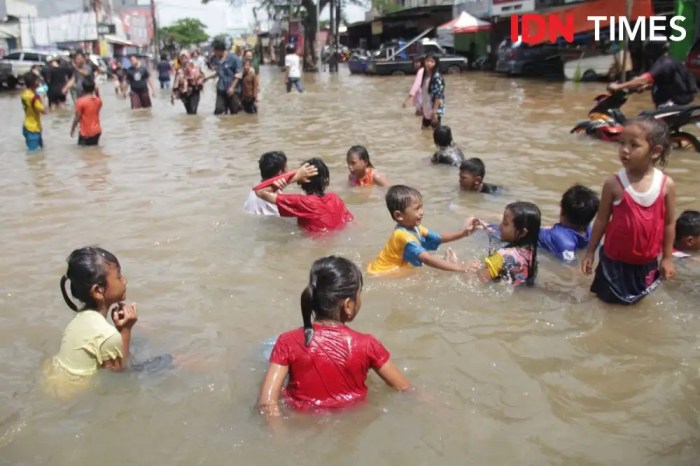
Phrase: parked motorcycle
x=605 y=120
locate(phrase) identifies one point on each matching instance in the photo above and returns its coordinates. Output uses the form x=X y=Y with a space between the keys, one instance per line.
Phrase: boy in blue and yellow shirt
x=410 y=241
x=33 y=108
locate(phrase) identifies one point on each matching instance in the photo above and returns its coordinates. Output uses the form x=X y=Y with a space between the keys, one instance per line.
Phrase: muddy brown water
x=539 y=376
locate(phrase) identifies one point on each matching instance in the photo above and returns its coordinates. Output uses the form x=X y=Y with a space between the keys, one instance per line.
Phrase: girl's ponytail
x=66 y=298
x=307 y=299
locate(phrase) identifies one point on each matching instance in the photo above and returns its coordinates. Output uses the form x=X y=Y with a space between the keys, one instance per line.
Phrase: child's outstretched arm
x=76 y=122
x=470 y=226
x=302 y=175
x=608 y=196
x=393 y=376
x=441 y=264
x=268 y=401
x=667 y=267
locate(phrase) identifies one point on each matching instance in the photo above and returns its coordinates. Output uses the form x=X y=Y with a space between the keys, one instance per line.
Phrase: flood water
x=539 y=376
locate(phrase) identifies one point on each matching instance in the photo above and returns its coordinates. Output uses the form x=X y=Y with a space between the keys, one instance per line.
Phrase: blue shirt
x=563 y=241
x=430 y=242
x=228 y=69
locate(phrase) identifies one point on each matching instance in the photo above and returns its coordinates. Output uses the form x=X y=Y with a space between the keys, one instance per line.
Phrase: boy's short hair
x=89 y=85
x=688 y=224
x=271 y=163
x=218 y=44
x=475 y=166
x=399 y=197
x=579 y=205
x=30 y=79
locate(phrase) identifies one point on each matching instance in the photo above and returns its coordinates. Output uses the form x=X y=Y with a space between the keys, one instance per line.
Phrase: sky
x=219 y=16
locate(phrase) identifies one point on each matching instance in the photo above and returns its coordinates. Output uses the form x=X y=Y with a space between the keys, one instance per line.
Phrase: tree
x=185 y=32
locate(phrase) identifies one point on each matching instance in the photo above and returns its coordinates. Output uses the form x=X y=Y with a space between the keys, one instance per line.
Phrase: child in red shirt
x=87 y=115
x=327 y=362
x=316 y=211
x=637 y=215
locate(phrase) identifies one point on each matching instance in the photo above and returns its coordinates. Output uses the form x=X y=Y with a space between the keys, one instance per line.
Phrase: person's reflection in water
x=42 y=178
x=94 y=173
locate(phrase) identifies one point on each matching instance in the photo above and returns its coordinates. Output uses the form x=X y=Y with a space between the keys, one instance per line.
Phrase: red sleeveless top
x=635 y=233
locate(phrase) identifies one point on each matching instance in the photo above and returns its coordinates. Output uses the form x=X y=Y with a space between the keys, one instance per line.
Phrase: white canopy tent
x=466 y=23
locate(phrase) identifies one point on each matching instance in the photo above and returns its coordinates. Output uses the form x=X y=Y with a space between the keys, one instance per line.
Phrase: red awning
x=582 y=11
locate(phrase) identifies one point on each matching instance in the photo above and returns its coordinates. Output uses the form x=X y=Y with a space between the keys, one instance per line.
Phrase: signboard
x=377 y=28
x=104 y=28
x=511 y=7
x=138 y=25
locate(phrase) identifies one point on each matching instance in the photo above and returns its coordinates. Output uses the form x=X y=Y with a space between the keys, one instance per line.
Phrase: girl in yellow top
x=89 y=341
x=410 y=241
x=362 y=172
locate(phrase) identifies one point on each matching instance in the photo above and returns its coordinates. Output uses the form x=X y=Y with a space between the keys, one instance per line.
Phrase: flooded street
x=540 y=376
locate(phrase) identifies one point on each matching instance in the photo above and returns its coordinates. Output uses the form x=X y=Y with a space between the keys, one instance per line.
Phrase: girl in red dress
x=327 y=361
x=637 y=212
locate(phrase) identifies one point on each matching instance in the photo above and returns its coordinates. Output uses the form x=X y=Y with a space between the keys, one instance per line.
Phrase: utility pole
x=333 y=60
x=626 y=45
x=156 y=35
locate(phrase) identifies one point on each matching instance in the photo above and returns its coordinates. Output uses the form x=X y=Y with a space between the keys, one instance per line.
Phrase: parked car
x=693 y=60
x=5 y=73
x=518 y=58
x=387 y=62
x=23 y=60
x=594 y=68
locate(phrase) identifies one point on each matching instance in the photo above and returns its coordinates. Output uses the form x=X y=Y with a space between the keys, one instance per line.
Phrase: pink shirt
x=415 y=89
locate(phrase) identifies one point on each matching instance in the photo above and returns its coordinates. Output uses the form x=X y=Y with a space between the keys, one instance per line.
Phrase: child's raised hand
x=472 y=224
x=280 y=184
x=125 y=316
x=305 y=172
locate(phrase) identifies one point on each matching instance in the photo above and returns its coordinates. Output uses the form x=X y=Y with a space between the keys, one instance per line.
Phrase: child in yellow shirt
x=33 y=108
x=410 y=241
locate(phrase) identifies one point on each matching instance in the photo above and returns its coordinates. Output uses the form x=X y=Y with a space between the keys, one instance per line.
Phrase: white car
x=23 y=60
x=593 y=68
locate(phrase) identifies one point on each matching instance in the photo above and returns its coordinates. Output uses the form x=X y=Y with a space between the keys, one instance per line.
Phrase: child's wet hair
x=332 y=279
x=89 y=86
x=475 y=166
x=86 y=267
x=688 y=224
x=271 y=164
x=361 y=153
x=579 y=205
x=317 y=184
x=442 y=136
x=526 y=215
x=399 y=197
x=657 y=134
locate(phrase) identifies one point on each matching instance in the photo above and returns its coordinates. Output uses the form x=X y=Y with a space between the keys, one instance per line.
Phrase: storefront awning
x=118 y=40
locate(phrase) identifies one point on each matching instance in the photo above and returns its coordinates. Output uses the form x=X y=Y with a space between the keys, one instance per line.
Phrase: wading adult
x=57 y=77
x=188 y=83
x=229 y=71
x=81 y=71
x=139 y=79
x=671 y=82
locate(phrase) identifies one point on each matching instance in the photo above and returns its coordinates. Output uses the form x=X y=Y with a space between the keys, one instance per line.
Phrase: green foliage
x=185 y=32
x=385 y=6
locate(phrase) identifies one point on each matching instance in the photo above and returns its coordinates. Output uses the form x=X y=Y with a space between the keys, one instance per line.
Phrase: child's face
x=468 y=181
x=508 y=231
x=246 y=66
x=635 y=152
x=412 y=216
x=356 y=165
x=115 y=291
x=429 y=64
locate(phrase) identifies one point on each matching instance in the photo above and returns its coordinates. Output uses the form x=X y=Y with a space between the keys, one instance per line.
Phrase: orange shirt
x=367 y=180
x=89 y=109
